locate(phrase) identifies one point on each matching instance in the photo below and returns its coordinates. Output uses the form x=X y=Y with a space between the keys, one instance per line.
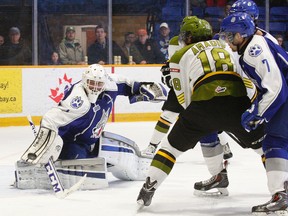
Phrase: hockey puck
x=32 y=156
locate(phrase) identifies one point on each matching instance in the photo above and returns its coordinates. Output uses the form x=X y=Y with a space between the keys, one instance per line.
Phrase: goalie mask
x=94 y=81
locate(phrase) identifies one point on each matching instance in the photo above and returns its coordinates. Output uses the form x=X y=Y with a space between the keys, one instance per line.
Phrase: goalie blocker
x=117 y=154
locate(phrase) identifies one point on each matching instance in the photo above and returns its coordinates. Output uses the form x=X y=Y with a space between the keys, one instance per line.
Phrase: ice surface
x=174 y=197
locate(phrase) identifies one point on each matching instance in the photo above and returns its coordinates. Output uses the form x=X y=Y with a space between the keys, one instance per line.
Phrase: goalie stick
x=51 y=171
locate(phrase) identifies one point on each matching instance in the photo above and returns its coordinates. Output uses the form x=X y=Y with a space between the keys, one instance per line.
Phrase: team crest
x=76 y=102
x=255 y=50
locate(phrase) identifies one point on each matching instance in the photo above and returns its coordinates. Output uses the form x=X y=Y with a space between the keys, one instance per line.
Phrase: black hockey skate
x=277 y=205
x=218 y=182
x=146 y=193
x=227 y=152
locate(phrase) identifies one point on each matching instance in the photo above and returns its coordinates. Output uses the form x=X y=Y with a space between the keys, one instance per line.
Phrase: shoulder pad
x=111 y=83
x=77 y=100
x=174 y=41
x=178 y=54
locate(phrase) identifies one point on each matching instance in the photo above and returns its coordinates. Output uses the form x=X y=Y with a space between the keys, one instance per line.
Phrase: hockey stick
x=232 y=136
x=51 y=171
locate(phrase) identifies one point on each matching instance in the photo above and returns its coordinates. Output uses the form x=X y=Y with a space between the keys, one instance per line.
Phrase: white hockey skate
x=149 y=152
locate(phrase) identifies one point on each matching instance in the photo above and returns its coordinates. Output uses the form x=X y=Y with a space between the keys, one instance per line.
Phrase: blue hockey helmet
x=247 y=6
x=234 y=23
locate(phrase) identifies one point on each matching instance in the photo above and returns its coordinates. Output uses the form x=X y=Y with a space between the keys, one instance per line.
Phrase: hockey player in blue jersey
x=72 y=135
x=73 y=129
x=267 y=65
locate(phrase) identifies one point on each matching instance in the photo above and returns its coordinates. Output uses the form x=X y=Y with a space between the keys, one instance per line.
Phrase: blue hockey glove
x=250 y=119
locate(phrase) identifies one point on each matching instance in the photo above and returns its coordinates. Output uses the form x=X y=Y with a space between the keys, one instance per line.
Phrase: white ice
x=174 y=197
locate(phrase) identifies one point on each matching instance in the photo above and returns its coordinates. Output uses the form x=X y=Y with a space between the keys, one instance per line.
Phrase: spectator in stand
x=2 y=49
x=54 y=59
x=70 y=50
x=280 y=40
x=98 y=52
x=164 y=38
x=215 y=3
x=198 y=3
x=2 y=40
x=17 y=51
x=228 y=7
x=130 y=49
x=148 y=48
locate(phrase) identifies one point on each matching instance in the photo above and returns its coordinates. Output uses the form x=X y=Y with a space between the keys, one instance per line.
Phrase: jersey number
x=221 y=58
x=265 y=61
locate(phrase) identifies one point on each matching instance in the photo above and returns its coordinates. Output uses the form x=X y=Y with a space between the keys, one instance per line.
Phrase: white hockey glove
x=46 y=144
x=148 y=91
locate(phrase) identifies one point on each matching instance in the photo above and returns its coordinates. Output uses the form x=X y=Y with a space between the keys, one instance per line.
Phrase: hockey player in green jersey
x=171 y=108
x=213 y=96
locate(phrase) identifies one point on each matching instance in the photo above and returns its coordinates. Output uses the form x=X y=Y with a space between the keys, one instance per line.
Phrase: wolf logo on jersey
x=76 y=102
x=255 y=50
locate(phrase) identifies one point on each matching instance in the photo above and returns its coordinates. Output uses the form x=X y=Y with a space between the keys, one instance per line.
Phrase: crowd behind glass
x=139 y=46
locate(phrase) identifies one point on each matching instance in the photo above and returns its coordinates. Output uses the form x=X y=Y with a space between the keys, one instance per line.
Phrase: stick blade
x=71 y=190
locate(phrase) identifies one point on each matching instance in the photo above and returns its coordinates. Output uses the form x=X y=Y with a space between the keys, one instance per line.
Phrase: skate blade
x=212 y=192
x=145 y=155
x=140 y=205
x=276 y=213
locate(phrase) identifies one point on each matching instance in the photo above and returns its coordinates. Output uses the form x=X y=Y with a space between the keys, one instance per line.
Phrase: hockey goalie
x=71 y=136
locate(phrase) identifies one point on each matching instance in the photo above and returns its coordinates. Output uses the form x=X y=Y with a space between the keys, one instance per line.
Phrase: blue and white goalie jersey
x=80 y=122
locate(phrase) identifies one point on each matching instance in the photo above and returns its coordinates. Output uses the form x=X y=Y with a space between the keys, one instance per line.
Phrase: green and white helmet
x=194 y=30
x=187 y=19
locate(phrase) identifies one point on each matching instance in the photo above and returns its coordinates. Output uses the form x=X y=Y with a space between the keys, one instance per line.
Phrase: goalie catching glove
x=148 y=91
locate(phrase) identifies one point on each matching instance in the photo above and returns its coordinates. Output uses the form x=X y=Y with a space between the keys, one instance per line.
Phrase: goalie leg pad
x=29 y=176
x=46 y=144
x=69 y=171
x=123 y=157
